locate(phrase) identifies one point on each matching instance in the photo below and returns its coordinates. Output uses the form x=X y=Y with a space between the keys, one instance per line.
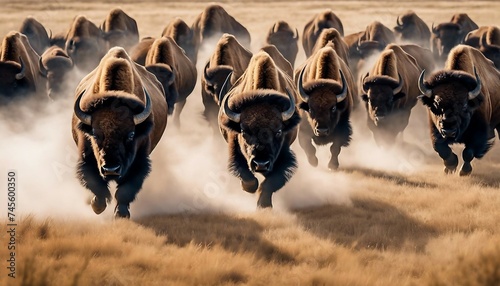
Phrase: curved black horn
x=363 y=85
x=421 y=85
x=41 y=67
x=274 y=28
x=296 y=35
x=50 y=36
x=302 y=93
x=141 y=117
x=345 y=88
x=233 y=116
x=287 y=114
x=21 y=74
x=475 y=92
x=398 y=22
x=226 y=86
x=434 y=29
x=84 y=117
x=205 y=74
x=399 y=87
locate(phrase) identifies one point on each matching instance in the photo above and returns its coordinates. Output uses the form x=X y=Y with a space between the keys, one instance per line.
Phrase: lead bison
x=285 y=39
x=258 y=120
x=312 y=30
x=411 y=28
x=326 y=89
x=390 y=91
x=183 y=35
x=120 y=114
x=463 y=102
x=120 y=30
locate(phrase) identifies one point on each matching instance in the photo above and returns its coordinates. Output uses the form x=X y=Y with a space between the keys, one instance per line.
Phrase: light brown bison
x=258 y=120
x=19 y=69
x=36 y=33
x=183 y=35
x=463 y=102
x=312 y=30
x=285 y=39
x=487 y=40
x=120 y=30
x=229 y=57
x=120 y=114
x=411 y=28
x=57 y=67
x=447 y=35
x=326 y=89
x=390 y=91
x=85 y=44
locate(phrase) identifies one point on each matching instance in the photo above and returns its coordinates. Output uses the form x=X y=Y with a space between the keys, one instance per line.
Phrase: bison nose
x=111 y=170
x=260 y=166
x=448 y=133
x=321 y=131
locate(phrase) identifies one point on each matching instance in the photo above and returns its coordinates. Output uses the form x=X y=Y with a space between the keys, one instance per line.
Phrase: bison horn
x=473 y=93
x=233 y=116
x=21 y=74
x=434 y=29
x=84 y=117
x=302 y=93
x=287 y=114
x=483 y=42
x=50 y=37
x=399 y=87
x=296 y=35
x=274 y=28
x=343 y=93
x=43 y=70
x=421 y=85
x=205 y=74
x=398 y=22
x=363 y=85
x=141 y=117
x=226 y=86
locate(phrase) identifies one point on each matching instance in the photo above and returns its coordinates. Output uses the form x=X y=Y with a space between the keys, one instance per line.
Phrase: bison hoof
x=313 y=161
x=250 y=186
x=333 y=166
x=121 y=211
x=449 y=171
x=98 y=205
x=264 y=200
x=465 y=170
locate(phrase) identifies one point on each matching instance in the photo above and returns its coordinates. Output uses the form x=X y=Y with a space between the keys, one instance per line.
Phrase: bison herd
x=260 y=102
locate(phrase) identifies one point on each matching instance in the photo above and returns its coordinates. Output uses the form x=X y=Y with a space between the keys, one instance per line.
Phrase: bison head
x=262 y=121
x=85 y=52
x=13 y=81
x=323 y=101
x=56 y=69
x=116 y=126
x=166 y=76
x=380 y=93
x=213 y=79
x=446 y=36
x=451 y=97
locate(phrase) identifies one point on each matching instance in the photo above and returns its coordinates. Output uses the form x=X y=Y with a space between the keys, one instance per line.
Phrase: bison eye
x=465 y=107
x=130 y=136
x=334 y=108
x=279 y=133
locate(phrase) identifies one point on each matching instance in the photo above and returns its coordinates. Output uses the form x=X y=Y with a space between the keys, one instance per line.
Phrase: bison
x=423 y=56
x=411 y=28
x=313 y=28
x=229 y=57
x=36 y=33
x=183 y=35
x=487 y=40
x=120 y=30
x=463 y=102
x=390 y=91
x=120 y=114
x=258 y=119
x=57 y=67
x=331 y=35
x=285 y=39
x=325 y=87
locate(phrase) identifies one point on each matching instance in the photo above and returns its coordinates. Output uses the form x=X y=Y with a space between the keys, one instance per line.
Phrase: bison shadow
x=397 y=179
x=233 y=234
x=367 y=224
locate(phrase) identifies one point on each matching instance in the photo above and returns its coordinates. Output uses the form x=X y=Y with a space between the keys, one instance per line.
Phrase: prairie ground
x=387 y=217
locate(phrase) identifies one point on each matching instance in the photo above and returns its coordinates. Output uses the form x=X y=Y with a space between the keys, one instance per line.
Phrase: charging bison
x=463 y=102
x=120 y=114
x=411 y=28
x=36 y=33
x=120 y=30
x=487 y=40
x=183 y=35
x=285 y=39
x=312 y=30
x=258 y=120
x=57 y=67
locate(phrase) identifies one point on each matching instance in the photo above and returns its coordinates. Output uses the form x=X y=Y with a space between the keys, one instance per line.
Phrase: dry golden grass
x=395 y=227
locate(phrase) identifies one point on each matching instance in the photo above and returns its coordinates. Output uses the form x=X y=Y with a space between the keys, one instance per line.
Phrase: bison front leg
x=177 y=113
x=450 y=160
x=305 y=142
x=467 y=156
x=92 y=180
x=334 y=159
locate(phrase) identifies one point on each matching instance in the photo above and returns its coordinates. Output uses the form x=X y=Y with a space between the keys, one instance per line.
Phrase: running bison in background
x=56 y=66
x=285 y=39
x=487 y=40
x=258 y=120
x=423 y=56
x=36 y=34
x=120 y=114
x=390 y=91
x=120 y=30
x=229 y=57
x=215 y=21
x=411 y=28
x=183 y=35
x=19 y=70
x=312 y=30
x=326 y=89
x=85 y=44
x=332 y=36
x=447 y=35
x=463 y=102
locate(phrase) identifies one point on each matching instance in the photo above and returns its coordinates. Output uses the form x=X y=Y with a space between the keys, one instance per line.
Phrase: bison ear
x=399 y=95
x=426 y=100
x=291 y=123
x=304 y=106
x=87 y=129
x=231 y=125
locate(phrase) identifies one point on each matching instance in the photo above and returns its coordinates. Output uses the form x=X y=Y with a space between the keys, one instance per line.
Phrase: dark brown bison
x=19 y=69
x=463 y=102
x=312 y=30
x=36 y=33
x=447 y=35
x=120 y=30
x=215 y=21
x=120 y=114
x=411 y=28
x=326 y=89
x=57 y=67
x=487 y=40
x=229 y=57
x=285 y=39
x=85 y=44
x=183 y=35
x=258 y=120
x=390 y=91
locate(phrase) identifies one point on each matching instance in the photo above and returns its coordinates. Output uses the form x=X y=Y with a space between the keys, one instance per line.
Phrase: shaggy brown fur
x=230 y=52
x=313 y=28
x=331 y=35
x=278 y=59
x=183 y=35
